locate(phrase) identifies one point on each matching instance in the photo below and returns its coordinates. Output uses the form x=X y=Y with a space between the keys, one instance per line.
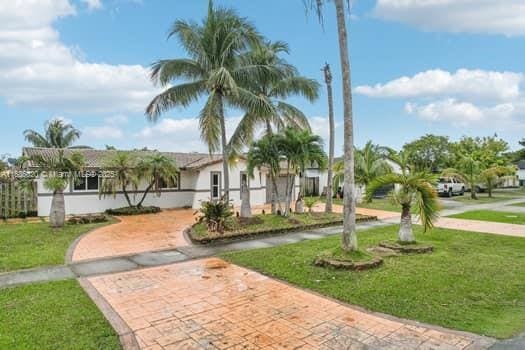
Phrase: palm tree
x=468 y=171
x=213 y=70
x=58 y=134
x=275 y=89
x=331 y=150
x=56 y=167
x=265 y=153
x=370 y=163
x=491 y=177
x=299 y=148
x=349 y=238
x=156 y=170
x=125 y=165
x=415 y=188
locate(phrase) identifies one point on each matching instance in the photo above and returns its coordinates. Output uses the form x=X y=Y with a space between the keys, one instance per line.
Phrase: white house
x=200 y=179
x=521 y=172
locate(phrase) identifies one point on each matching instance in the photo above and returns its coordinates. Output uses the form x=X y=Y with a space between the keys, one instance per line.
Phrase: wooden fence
x=17 y=199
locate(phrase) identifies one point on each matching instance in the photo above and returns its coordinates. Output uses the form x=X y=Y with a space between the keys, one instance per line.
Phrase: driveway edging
x=126 y=336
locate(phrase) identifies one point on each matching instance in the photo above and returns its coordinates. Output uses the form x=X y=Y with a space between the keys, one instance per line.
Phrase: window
x=88 y=181
x=215 y=185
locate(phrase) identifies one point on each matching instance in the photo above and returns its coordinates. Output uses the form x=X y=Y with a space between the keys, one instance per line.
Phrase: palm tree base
x=407 y=247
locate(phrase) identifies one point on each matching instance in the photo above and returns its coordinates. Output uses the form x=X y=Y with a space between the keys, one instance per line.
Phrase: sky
x=447 y=67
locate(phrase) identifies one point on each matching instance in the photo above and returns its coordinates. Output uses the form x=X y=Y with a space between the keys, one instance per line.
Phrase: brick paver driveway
x=210 y=304
x=136 y=234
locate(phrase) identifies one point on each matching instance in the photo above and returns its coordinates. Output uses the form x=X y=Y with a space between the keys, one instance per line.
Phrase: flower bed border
x=407 y=249
x=326 y=261
x=265 y=232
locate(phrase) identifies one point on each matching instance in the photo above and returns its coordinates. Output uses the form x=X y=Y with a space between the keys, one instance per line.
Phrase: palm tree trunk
x=272 y=188
x=329 y=183
x=405 y=228
x=275 y=194
x=225 y=152
x=473 y=190
x=349 y=238
x=126 y=195
x=146 y=191
x=287 y=201
x=57 y=216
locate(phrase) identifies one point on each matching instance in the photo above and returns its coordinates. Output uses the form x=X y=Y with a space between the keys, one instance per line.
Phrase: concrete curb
x=125 y=333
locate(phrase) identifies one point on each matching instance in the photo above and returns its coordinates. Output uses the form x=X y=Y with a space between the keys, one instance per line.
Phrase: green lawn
x=378 y=203
x=483 y=198
x=54 y=316
x=30 y=245
x=519 y=204
x=473 y=282
x=494 y=216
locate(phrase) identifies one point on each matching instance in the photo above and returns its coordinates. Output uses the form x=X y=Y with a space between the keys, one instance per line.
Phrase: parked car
x=449 y=186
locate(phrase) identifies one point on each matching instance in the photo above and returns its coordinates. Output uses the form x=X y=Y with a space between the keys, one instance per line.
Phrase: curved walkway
x=136 y=234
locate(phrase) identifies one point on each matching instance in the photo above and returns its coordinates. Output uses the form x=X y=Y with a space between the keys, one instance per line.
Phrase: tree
x=214 y=70
x=156 y=170
x=492 y=176
x=125 y=165
x=349 y=238
x=58 y=134
x=275 y=89
x=430 y=152
x=265 y=153
x=413 y=188
x=488 y=151
x=61 y=170
x=299 y=148
x=331 y=149
x=370 y=163
x=468 y=171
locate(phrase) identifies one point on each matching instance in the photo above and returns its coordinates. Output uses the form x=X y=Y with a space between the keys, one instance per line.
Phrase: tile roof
x=94 y=158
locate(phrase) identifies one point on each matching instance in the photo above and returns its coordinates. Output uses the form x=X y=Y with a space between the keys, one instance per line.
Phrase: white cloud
x=103 y=132
x=118 y=119
x=93 y=4
x=37 y=69
x=505 y=17
x=468 y=84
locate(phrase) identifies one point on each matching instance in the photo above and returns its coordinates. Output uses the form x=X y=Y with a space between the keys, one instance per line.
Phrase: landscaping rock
x=325 y=261
x=382 y=251
x=407 y=248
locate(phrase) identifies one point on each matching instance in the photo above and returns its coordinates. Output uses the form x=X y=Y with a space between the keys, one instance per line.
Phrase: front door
x=215 y=185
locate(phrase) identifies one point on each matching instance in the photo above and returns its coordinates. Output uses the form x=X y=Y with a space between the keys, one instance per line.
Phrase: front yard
x=267 y=224
x=494 y=216
x=29 y=245
x=472 y=282
x=52 y=316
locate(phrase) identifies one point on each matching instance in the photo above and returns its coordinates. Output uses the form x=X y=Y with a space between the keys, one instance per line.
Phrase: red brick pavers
x=211 y=304
x=136 y=234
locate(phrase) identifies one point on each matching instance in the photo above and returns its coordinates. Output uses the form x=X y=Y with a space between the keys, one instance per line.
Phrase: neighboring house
x=521 y=172
x=200 y=179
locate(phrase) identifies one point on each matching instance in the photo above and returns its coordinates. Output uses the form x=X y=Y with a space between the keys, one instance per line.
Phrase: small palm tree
x=491 y=177
x=156 y=170
x=266 y=153
x=58 y=134
x=214 y=70
x=300 y=149
x=125 y=165
x=61 y=170
x=418 y=189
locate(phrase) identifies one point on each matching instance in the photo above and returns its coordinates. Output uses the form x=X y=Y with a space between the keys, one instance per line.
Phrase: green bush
x=126 y=211
x=87 y=219
x=215 y=214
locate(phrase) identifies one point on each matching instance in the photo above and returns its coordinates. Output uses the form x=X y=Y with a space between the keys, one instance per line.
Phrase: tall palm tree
x=349 y=238
x=331 y=149
x=56 y=167
x=58 y=134
x=275 y=89
x=415 y=188
x=213 y=70
x=299 y=148
x=266 y=153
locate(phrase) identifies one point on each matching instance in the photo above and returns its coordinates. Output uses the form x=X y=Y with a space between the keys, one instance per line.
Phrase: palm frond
x=179 y=95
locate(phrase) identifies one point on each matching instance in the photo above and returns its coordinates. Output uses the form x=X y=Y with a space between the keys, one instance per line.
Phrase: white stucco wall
x=194 y=188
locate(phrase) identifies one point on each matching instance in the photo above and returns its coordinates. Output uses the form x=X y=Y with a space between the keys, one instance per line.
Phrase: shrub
x=87 y=219
x=215 y=214
x=126 y=211
x=310 y=202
